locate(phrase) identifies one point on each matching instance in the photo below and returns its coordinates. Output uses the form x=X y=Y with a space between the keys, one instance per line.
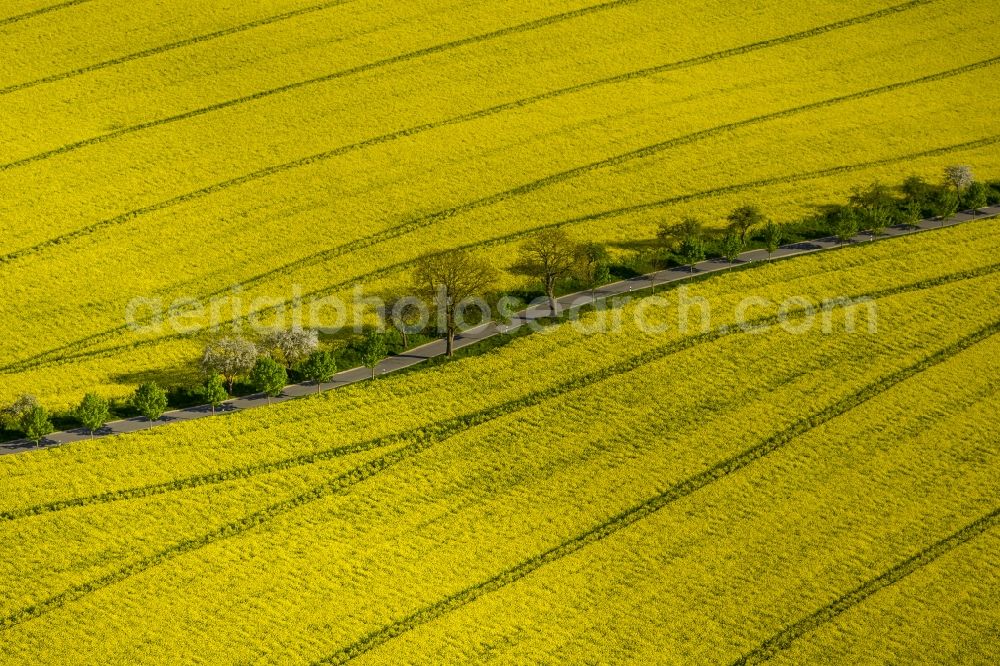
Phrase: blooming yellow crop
x=455 y=487
x=334 y=145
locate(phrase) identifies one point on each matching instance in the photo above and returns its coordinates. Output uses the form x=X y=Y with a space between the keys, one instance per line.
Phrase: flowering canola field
x=171 y=150
x=777 y=492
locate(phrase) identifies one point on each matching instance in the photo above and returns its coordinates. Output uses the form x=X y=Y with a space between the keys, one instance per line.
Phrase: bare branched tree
x=446 y=279
x=550 y=255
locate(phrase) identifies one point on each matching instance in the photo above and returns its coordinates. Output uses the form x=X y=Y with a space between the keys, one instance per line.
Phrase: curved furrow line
x=43 y=360
x=359 y=69
x=733 y=189
x=647 y=508
x=454 y=425
x=336 y=485
x=340 y=483
x=374 y=467
x=38 y=12
x=408 y=227
x=43 y=357
x=320 y=257
x=521 y=190
x=644 y=152
x=436 y=431
x=662 y=203
x=156 y=50
x=772 y=646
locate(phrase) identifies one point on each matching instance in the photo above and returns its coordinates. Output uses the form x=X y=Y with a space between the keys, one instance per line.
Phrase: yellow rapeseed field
x=573 y=496
x=180 y=150
x=809 y=474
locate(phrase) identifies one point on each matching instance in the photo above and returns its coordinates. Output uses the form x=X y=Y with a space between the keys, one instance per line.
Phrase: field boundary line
x=682 y=198
x=782 y=640
x=250 y=25
x=649 y=151
x=647 y=508
x=456 y=424
x=740 y=187
x=426 y=220
x=427 y=436
x=358 y=69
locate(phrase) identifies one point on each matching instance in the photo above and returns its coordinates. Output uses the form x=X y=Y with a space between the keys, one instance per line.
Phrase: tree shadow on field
x=648 y=244
x=162 y=377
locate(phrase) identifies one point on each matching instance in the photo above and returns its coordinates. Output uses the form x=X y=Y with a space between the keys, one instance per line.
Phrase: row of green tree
x=556 y=262
x=265 y=365
x=870 y=210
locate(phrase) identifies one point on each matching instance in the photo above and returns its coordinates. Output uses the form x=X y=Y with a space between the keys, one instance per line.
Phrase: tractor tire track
x=457 y=424
x=42 y=359
x=641 y=511
x=38 y=12
x=325 y=255
x=340 y=483
x=641 y=153
x=772 y=646
x=232 y=529
x=500 y=197
x=156 y=50
x=662 y=203
x=733 y=189
x=359 y=69
x=438 y=430
x=319 y=257
x=368 y=470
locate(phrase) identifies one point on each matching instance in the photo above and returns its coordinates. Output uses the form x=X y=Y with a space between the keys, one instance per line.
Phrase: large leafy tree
x=320 y=367
x=13 y=414
x=269 y=377
x=975 y=196
x=374 y=350
x=672 y=236
x=958 y=177
x=93 y=412
x=844 y=224
x=406 y=314
x=693 y=251
x=292 y=345
x=743 y=220
x=876 y=206
x=213 y=391
x=731 y=246
x=36 y=424
x=549 y=256
x=946 y=204
x=773 y=234
x=448 y=278
x=150 y=400
x=592 y=268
